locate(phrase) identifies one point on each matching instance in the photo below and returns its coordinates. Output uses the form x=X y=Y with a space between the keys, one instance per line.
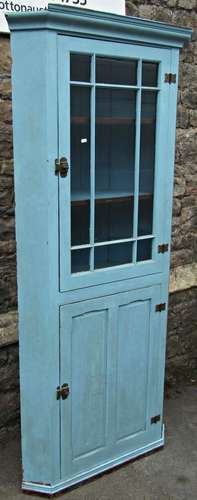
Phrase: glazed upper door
x=113 y=124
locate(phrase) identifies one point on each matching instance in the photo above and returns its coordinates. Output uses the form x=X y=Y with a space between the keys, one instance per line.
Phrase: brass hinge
x=163 y=248
x=62 y=391
x=61 y=167
x=155 y=419
x=170 y=78
x=160 y=307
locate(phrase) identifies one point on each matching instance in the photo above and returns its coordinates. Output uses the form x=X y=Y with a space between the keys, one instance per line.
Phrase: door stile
x=154 y=379
x=65 y=406
x=161 y=159
x=64 y=151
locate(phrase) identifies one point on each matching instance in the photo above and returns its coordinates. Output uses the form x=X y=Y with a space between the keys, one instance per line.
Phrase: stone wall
x=184 y=235
x=181 y=362
x=9 y=391
x=182 y=328
x=8 y=300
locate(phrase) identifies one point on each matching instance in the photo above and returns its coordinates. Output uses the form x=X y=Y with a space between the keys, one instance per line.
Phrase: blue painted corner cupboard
x=94 y=109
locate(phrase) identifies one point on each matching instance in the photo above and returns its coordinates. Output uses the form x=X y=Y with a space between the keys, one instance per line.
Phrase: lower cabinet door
x=112 y=358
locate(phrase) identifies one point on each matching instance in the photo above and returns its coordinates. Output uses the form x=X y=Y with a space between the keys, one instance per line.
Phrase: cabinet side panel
x=38 y=318
x=168 y=200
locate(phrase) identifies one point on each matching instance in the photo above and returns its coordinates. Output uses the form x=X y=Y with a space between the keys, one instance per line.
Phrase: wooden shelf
x=114 y=120
x=107 y=198
x=84 y=120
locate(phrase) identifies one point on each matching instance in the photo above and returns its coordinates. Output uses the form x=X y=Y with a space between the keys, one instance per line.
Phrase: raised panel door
x=111 y=353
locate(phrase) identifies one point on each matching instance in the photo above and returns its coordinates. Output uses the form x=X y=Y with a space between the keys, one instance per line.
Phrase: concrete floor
x=169 y=474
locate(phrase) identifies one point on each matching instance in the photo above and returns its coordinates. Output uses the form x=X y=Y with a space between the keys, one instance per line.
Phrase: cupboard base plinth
x=63 y=485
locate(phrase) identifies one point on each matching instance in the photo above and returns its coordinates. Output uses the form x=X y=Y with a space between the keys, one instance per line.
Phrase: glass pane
x=80 y=260
x=145 y=216
x=115 y=156
x=144 y=250
x=113 y=255
x=149 y=74
x=80 y=67
x=114 y=219
x=147 y=162
x=118 y=71
x=80 y=220
x=80 y=165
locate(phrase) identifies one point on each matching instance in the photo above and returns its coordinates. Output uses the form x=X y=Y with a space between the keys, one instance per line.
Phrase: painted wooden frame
x=35 y=40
